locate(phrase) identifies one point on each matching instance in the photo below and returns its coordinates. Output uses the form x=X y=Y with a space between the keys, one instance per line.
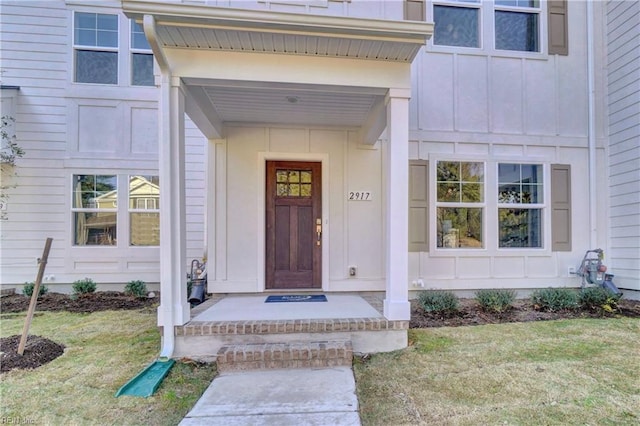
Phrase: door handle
x=318 y=231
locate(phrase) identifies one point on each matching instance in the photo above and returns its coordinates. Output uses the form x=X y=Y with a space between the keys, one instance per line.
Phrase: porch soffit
x=201 y=28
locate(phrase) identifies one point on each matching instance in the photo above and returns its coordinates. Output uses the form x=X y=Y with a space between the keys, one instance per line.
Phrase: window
x=512 y=24
x=95 y=40
x=517 y=25
x=95 y=208
x=141 y=58
x=144 y=213
x=457 y=23
x=520 y=202
x=460 y=204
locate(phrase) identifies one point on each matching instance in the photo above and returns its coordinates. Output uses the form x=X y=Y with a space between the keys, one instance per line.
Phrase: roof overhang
x=374 y=54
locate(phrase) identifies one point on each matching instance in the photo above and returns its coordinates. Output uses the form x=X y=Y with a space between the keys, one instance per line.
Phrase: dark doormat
x=297 y=298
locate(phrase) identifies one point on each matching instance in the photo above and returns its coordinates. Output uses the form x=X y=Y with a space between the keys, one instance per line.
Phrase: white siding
x=623 y=65
x=67 y=129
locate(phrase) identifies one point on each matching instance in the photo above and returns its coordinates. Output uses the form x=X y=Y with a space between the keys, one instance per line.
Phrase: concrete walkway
x=300 y=397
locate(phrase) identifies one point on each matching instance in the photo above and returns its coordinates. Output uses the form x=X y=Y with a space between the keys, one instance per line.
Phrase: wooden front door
x=294 y=225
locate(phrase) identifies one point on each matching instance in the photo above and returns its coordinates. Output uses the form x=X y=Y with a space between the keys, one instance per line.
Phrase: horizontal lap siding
x=623 y=39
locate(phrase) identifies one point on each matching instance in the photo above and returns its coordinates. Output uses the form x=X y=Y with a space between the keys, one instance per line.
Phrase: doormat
x=297 y=298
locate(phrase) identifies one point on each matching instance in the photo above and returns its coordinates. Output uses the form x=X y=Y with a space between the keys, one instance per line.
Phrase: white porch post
x=396 y=303
x=173 y=309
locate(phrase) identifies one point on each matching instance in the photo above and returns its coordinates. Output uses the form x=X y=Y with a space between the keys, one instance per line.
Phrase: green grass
x=570 y=372
x=103 y=351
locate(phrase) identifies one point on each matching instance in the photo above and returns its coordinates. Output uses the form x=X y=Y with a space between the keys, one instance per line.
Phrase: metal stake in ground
x=34 y=295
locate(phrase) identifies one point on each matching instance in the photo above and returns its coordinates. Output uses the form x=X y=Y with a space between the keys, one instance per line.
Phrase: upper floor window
x=141 y=58
x=100 y=53
x=512 y=24
x=95 y=40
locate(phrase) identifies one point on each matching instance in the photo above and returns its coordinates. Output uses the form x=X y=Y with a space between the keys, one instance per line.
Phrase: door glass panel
x=294 y=183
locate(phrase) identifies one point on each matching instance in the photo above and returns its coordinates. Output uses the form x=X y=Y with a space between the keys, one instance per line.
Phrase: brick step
x=259 y=356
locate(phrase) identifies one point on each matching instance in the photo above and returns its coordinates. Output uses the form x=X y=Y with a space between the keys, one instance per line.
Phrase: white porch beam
x=396 y=303
x=201 y=112
x=173 y=309
x=375 y=123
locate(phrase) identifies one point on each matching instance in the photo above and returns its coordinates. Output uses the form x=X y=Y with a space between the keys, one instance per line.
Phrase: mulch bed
x=39 y=350
x=470 y=313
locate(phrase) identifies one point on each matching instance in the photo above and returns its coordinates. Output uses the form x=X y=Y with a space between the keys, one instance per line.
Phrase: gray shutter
x=414 y=10
x=557 y=23
x=561 y=207
x=418 y=205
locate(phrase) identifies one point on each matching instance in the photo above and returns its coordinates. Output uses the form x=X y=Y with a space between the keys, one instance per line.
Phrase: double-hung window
x=457 y=23
x=95 y=210
x=141 y=58
x=144 y=210
x=517 y=25
x=520 y=205
x=460 y=204
x=95 y=42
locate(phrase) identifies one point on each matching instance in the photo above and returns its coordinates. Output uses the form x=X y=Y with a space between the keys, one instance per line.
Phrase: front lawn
x=566 y=372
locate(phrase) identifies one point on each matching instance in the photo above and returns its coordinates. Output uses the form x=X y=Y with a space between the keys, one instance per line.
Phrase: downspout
x=165 y=316
x=591 y=135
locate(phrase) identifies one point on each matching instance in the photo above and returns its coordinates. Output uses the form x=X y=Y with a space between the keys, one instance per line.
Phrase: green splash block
x=148 y=380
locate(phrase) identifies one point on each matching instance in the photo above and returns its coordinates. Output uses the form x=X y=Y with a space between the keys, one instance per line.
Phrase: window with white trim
x=511 y=24
x=520 y=205
x=95 y=43
x=460 y=204
x=144 y=210
x=95 y=210
x=141 y=57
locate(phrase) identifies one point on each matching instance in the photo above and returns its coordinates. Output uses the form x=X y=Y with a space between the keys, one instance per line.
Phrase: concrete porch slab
x=252 y=308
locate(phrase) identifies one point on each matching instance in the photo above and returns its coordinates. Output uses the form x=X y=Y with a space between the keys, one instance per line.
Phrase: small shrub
x=555 y=299
x=497 y=301
x=84 y=286
x=598 y=298
x=136 y=288
x=439 y=302
x=27 y=290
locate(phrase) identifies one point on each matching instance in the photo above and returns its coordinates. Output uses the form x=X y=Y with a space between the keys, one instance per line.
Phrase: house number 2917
x=359 y=196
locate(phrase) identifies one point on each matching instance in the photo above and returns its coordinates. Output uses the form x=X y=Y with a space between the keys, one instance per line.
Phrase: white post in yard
x=396 y=303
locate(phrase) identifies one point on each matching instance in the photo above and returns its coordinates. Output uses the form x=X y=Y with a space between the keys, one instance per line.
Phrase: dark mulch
x=85 y=303
x=39 y=350
x=470 y=313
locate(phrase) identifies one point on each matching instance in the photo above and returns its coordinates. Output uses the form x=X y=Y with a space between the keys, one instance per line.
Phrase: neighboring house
x=293 y=143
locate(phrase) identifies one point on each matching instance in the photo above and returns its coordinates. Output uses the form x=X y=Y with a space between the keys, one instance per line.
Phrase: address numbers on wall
x=359 y=196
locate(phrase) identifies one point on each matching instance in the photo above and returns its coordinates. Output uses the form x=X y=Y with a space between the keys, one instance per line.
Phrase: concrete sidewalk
x=323 y=396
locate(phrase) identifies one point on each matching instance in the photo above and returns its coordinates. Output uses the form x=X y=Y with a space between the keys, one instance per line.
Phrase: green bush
x=136 y=288
x=555 y=299
x=598 y=299
x=439 y=302
x=84 y=286
x=27 y=290
x=497 y=301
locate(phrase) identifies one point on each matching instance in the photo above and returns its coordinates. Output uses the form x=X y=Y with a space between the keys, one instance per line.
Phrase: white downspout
x=591 y=136
x=165 y=315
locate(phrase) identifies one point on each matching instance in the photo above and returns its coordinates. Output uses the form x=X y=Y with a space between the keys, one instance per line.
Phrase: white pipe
x=165 y=311
x=591 y=129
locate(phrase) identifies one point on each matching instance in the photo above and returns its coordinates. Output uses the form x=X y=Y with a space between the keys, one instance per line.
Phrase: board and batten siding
x=623 y=67
x=67 y=129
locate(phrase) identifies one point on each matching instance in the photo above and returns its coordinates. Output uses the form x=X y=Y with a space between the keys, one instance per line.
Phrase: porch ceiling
x=175 y=27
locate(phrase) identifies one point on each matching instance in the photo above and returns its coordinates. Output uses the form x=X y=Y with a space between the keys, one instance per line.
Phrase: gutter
x=165 y=310
x=591 y=136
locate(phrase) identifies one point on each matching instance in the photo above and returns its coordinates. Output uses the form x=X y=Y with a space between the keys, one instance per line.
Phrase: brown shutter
x=414 y=10
x=561 y=207
x=418 y=205
x=557 y=23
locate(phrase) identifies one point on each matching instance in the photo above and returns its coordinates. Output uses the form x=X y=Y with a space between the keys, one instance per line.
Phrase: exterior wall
x=67 y=128
x=623 y=71
x=353 y=235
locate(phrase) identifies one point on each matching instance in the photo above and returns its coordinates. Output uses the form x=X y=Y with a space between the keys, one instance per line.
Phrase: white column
x=174 y=308
x=396 y=303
